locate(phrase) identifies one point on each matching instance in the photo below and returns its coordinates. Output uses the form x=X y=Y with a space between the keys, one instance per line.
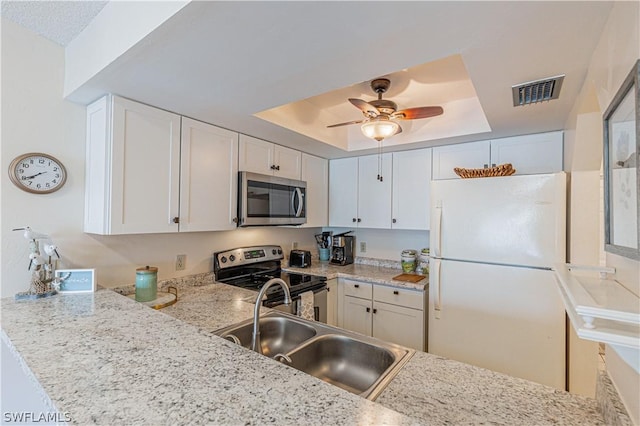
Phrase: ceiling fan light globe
x=379 y=129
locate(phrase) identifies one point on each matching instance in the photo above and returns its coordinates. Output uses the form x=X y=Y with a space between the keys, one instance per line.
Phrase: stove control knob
x=232 y=258
x=223 y=259
x=273 y=252
x=279 y=251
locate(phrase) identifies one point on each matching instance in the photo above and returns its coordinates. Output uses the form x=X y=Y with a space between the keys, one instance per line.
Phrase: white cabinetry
x=343 y=192
x=132 y=168
x=267 y=158
x=315 y=171
x=529 y=154
x=411 y=189
x=374 y=191
x=208 y=177
x=387 y=313
x=134 y=184
x=357 y=197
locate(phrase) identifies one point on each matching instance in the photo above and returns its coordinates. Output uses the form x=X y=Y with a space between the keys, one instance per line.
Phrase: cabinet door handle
x=396 y=292
x=328 y=289
x=393 y=220
x=493 y=164
x=277 y=167
x=486 y=166
x=175 y=220
x=368 y=309
x=273 y=167
x=356 y=285
x=375 y=311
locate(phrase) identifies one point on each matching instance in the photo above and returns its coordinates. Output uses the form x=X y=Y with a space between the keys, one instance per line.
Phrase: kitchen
x=116 y=257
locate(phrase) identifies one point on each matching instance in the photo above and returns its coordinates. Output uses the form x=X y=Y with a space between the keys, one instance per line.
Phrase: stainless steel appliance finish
x=342 y=249
x=255 y=335
x=356 y=363
x=270 y=200
x=252 y=267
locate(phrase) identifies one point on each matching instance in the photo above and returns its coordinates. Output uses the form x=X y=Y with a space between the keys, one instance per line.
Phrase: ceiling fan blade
x=365 y=107
x=416 y=113
x=347 y=123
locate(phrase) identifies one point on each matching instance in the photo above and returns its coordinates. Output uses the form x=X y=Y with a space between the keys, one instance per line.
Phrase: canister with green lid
x=146 y=284
x=408 y=260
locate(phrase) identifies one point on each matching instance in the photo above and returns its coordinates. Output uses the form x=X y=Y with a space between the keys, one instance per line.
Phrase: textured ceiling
x=58 y=21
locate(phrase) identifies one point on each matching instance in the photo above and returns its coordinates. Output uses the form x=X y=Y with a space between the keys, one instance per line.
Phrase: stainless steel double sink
x=356 y=363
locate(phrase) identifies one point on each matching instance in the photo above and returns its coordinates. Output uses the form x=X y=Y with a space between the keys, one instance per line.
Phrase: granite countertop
x=374 y=273
x=106 y=359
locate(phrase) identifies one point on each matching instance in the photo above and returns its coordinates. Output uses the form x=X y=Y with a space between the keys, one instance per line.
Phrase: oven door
x=270 y=200
x=319 y=305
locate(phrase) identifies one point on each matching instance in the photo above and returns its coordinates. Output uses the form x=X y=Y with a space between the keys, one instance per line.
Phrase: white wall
x=36 y=118
x=616 y=52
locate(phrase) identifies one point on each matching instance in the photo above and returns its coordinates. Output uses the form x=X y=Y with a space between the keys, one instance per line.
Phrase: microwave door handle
x=297 y=194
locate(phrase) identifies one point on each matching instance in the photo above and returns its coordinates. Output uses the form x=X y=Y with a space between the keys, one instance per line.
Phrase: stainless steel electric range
x=252 y=267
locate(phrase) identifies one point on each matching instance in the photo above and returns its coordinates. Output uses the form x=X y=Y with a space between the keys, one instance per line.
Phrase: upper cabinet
x=360 y=192
x=411 y=189
x=267 y=158
x=529 y=154
x=208 y=177
x=315 y=171
x=134 y=182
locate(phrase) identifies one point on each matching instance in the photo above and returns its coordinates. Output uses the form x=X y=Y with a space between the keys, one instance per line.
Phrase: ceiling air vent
x=537 y=91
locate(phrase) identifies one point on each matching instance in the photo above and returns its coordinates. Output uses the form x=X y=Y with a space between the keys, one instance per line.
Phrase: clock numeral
x=31 y=161
x=25 y=165
x=55 y=169
x=41 y=161
x=30 y=182
x=57 y=175
x=54 y=181
x=38 y=186
x=47 y=185
x=21 y=171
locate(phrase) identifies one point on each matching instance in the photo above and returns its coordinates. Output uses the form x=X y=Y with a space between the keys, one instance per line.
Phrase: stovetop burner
x=252 y=267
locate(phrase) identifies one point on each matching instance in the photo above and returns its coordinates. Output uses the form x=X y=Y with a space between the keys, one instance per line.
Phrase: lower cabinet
x=388 y=313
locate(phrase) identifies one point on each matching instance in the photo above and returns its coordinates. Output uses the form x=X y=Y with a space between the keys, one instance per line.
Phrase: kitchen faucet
x=255 y=337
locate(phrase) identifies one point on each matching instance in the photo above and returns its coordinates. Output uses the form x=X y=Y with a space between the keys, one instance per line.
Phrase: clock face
x=37 y=173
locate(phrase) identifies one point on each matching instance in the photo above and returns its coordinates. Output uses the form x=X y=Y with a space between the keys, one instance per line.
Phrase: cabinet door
x=145 y=167
x=315 y=171
x=530 y=154
x=288 y=162
x=255 y=155
x=398 y=324
x=411 y=189
x=332 y=302
x=374 y=196
x=474 y=155
x=208 y=177
x=343 y=192
x=357 y=315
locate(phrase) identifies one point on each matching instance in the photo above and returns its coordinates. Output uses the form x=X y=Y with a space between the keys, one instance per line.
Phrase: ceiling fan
x=380 y=114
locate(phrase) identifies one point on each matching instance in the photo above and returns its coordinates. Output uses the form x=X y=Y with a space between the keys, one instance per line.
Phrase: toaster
x=300 y=258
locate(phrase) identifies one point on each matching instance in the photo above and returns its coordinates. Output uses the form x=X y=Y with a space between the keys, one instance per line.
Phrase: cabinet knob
x=356 y=285
x=277 y=167
x=235 y=220
x=273 y=167
x=328 y=289
x=393 y=220
x=354 y=219
x=395 y=292
x=375 y=311
x=368 y=309
x=359 y=220
x=176 y=219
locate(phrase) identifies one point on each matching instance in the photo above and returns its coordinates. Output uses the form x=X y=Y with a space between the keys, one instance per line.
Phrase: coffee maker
x=342 y=249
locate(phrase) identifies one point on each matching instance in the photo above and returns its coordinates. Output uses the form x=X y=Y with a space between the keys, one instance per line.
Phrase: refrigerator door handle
x=437 y=299
x=437 y=231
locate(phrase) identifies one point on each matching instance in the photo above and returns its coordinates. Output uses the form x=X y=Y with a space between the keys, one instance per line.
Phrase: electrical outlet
x=181 y=262
x=294 y=245
x=363 y=247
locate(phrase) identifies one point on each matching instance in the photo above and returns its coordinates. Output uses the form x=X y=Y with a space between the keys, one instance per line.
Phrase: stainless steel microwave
x=270 y=200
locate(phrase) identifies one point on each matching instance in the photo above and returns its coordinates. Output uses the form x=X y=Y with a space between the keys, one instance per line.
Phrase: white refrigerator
x=493 y=301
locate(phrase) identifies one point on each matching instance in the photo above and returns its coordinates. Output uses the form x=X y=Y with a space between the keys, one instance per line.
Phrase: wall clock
x=37 y=173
